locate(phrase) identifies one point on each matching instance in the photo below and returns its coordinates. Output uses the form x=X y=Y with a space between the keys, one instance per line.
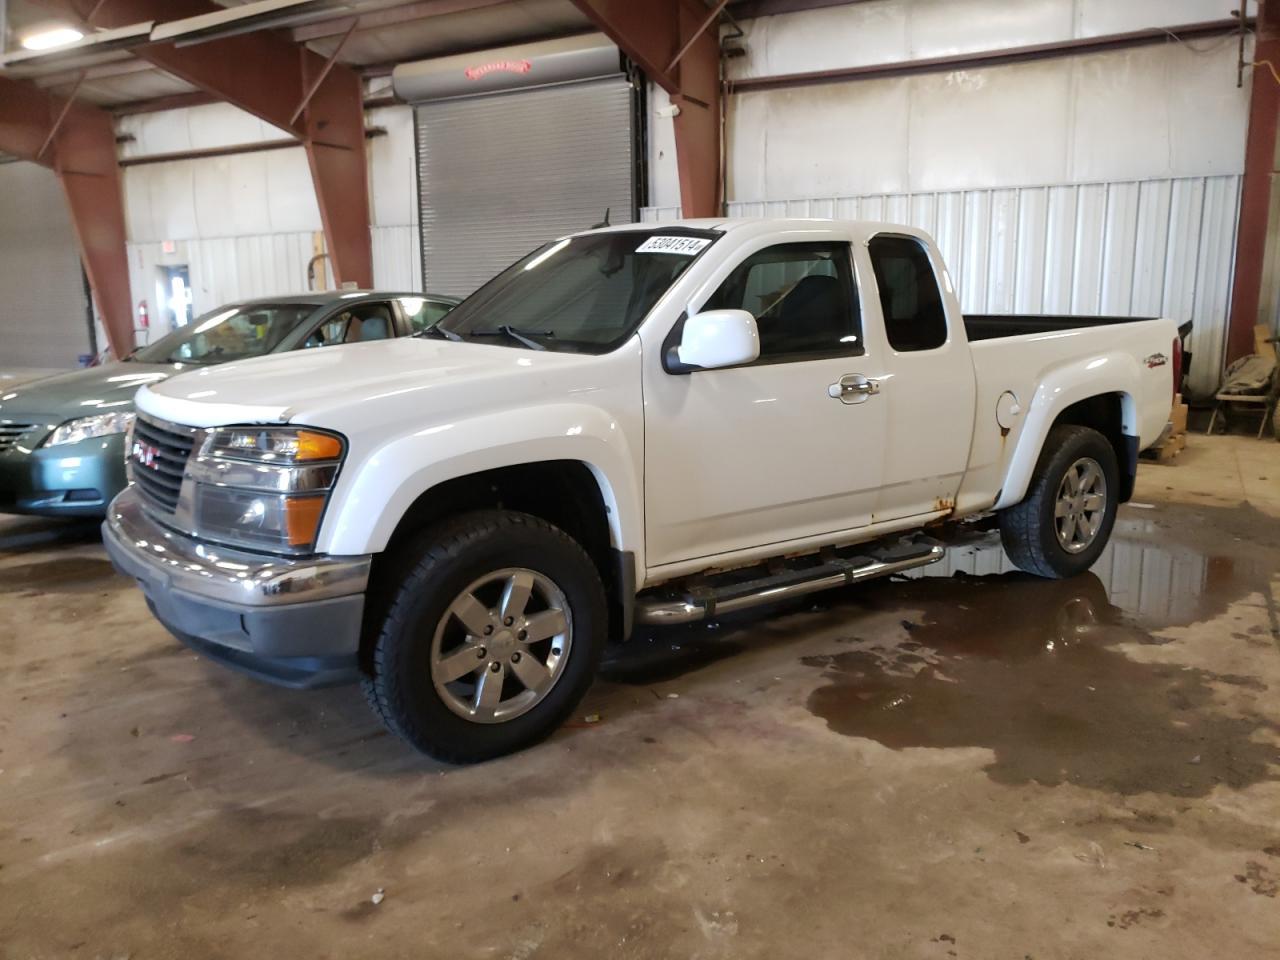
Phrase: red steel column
x=1255 y=196
x=335 y=142
x=652 y=34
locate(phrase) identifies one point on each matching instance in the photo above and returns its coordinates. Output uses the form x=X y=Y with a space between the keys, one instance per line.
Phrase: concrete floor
x=969 y=766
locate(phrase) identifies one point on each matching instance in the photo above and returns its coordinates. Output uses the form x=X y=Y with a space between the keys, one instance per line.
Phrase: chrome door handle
x=853 y=388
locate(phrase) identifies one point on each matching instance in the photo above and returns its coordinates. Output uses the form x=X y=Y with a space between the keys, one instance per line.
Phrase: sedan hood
x=83 y=393
x=306 y=385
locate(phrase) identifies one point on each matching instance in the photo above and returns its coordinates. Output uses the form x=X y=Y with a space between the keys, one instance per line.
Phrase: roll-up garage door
x=43 y=307
x=502 y=172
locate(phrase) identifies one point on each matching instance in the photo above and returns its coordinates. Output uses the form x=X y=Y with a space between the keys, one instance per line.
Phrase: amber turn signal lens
x=302 y=519
x=317 y=446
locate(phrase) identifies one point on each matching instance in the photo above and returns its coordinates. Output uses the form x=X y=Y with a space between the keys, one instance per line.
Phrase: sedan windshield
x=232 y=333
x=582 y=294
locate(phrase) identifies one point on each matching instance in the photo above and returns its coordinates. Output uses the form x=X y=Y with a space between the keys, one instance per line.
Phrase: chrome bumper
x=222 y=574
x=297 y=623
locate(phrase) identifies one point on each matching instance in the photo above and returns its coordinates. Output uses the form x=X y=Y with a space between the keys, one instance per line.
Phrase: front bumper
x=293 y=622
x=69 y=480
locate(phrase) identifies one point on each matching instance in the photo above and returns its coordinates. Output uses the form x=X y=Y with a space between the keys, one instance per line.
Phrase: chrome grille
x=158 y=458
x=10 y=432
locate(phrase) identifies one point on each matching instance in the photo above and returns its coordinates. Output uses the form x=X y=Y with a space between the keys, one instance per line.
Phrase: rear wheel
x=1064 y=522
x=492 y=638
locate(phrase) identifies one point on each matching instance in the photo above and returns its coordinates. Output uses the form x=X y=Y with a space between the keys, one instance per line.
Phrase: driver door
x=764 y=454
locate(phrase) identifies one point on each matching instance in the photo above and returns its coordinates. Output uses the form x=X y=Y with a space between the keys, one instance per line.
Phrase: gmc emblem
x=146 y=455
x=1156 y=360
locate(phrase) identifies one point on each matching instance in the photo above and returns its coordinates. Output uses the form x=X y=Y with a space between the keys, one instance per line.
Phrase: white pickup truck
x=639 y=424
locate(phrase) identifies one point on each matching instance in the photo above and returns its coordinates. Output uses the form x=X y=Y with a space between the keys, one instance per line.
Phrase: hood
x=307 y=384
x=11 y=378
x=82 y=393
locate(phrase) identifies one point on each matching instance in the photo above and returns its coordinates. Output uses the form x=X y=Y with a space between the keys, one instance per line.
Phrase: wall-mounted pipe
x=992 y=58
x=231 y=150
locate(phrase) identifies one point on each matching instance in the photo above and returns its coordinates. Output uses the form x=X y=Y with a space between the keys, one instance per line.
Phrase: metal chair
x=1265 y=401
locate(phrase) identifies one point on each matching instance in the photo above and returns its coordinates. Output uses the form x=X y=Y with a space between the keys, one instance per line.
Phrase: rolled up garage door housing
x=515 y=147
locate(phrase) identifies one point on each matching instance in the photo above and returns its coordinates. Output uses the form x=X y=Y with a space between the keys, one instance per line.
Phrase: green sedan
x=62 y=438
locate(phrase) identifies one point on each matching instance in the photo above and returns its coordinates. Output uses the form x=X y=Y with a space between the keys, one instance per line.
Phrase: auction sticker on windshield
x=685 y=246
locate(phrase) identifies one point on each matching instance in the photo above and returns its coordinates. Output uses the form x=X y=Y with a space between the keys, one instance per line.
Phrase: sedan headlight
x=264 y=487
x=88 y=428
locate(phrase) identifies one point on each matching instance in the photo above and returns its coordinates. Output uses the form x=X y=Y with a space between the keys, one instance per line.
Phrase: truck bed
x=992 y=326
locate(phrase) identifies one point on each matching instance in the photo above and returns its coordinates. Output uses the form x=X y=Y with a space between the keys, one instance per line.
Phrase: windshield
x=231 y=333
x=583 y=294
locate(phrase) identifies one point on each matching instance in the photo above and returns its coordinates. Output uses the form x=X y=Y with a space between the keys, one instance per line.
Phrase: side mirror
x=719 y=338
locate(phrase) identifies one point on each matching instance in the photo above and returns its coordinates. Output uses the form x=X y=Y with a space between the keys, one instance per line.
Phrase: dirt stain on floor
x=71 y=574
x=1033 y=670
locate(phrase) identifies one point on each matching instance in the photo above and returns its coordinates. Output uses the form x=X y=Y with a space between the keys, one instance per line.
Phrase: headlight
x=264 y=487
x=87 y=428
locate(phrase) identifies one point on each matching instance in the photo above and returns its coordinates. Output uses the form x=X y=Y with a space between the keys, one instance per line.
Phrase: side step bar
x=705 y=602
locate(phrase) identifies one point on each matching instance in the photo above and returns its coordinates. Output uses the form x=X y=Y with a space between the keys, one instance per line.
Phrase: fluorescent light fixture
x=52 y=38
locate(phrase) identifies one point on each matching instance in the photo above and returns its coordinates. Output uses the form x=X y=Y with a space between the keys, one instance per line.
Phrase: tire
x=490 y=557
x=1030 y=530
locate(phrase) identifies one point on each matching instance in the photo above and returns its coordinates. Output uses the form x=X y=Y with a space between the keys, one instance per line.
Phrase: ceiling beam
x=678 y=48
x=389 y=15
x=78 y=143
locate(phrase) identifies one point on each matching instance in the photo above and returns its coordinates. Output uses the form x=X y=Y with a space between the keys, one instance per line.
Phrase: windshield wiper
x=439 y=331
x=521 y=336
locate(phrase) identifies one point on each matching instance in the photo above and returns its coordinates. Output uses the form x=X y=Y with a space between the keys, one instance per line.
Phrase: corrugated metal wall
x=1143 y=248
x=245 y=225
x=224 y=269
x=397 y=258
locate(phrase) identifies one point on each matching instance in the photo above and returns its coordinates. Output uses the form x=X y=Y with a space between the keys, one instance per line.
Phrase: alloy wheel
x=501 y=645
x=1081 y=505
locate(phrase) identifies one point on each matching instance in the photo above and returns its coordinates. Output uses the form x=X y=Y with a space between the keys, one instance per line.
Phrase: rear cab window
x=915 y=317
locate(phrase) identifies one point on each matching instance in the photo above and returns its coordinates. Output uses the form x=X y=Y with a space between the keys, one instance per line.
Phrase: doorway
x=173 y=297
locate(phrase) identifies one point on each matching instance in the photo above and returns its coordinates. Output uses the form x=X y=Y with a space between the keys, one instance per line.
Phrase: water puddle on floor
x=1033 y=669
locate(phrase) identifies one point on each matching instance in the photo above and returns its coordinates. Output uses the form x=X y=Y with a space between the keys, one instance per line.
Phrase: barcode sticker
x=685 y=246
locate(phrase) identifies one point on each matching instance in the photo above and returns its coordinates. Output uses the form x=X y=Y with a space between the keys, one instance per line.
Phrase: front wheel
x=492 y=638
x=1063 y=524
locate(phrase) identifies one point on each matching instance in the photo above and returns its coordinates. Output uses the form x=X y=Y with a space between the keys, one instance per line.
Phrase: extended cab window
x=914 y=318
x=803 y=298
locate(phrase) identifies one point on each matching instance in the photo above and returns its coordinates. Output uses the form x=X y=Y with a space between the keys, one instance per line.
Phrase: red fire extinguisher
x=144 y=320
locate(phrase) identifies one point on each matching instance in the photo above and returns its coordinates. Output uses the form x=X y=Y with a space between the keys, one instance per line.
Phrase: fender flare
x=1111 y=373
x=374 y=494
